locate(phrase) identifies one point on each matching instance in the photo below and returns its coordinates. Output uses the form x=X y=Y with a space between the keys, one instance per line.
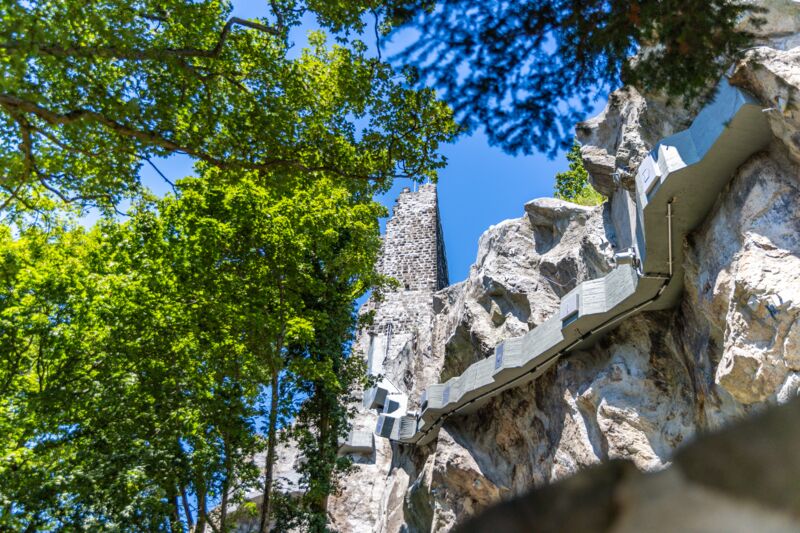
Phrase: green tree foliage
x=322 y=421
x=141 y=359
x=144 y=364
x=91 y=91
x=573 y=185
x=528 y=70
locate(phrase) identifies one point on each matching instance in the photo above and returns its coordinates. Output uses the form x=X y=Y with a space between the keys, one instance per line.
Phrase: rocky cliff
x=731 y=347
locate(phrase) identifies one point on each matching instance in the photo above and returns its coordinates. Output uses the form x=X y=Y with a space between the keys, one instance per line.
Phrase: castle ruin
x=399 y=337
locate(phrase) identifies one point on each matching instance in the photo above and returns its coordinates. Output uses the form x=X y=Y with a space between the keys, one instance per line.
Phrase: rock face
x=738 y=480
x=731 y=347
x=773 y=76
x=524 y=266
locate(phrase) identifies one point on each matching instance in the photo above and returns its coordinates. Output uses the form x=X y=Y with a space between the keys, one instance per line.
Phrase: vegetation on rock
x=573 y=185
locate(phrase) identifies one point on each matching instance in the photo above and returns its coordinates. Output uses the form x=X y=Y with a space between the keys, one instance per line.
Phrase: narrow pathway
x=676 y=186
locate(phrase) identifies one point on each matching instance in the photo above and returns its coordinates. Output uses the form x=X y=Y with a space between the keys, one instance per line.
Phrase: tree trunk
x=321 y=505
x=201 y=513
x=270 y=460
x=175 y=516
x=223 y=509
x=186 y=509
x=272 y=429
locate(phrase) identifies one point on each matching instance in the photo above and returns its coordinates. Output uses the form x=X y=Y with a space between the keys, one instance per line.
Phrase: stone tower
x=413 y=246
x=413 y=254
x=400 y=336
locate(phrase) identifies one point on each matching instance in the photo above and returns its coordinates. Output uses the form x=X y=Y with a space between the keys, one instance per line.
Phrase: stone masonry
x=397 y=346
x=412 y=253
x=413 y=247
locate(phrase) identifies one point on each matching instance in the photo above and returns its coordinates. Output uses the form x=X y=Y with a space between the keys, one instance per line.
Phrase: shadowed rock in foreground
x=743 y=478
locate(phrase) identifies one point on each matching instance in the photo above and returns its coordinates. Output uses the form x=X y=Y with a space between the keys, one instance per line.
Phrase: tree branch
x=140 y=54
x=14 y=103
x=66 y=199
x=25 y=145
x=171 y=184
x=377 y=33
x=187 y=510
x=12 y=195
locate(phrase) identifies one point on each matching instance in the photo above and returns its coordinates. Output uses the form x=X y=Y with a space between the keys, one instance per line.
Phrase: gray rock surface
x=639 y=394
x=618 y=139
x=774 y=77
x=781 y=28
x=649 y=386
x=523 y=267
x=739 y=480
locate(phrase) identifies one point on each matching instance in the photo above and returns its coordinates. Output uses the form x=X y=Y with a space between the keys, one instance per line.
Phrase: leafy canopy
x=135 y=356
x=89 y=92
x=141 y=360
x=528 y=70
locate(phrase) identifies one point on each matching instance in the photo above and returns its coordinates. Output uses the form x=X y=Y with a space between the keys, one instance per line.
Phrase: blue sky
x=481 y=185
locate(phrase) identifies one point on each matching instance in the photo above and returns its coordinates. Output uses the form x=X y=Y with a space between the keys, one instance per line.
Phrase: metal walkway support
x=357 y=442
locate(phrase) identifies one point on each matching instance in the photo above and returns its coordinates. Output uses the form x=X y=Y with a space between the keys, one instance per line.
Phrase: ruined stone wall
x=412 y=253
x=398 y=347
x=413 y=247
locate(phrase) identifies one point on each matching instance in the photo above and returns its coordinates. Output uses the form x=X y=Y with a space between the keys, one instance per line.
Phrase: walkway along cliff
x=571 y=343
x=676 y=185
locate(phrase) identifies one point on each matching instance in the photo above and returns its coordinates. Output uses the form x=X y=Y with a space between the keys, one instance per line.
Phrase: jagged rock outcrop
x=524 y=266
x=781 y=27
x=773 y=76
x=618 y=139
x=743 y=289
x=614 y=142
x=648 y=387
x=645 y=389
x=731 y=347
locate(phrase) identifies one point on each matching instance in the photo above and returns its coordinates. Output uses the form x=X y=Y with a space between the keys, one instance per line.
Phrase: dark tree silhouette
x=528 y=70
